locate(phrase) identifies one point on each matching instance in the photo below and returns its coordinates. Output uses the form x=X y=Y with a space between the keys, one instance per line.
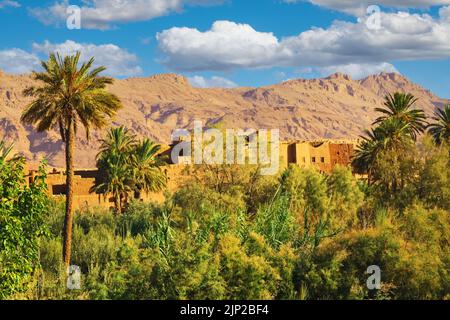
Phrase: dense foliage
x=302 y=235
x=128 y=166
x=22 y=210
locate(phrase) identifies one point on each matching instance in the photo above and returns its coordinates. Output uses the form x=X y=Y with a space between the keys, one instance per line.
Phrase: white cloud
x=119 y=62
x=359 y=7
x=359 y=71
x=228 y=45
x=101 y=14
x=444 y=13
x=213 y=82
x=9 y=3
x=18 y=61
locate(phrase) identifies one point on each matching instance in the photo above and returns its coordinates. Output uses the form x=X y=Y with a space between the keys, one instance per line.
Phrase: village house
x=323 y=155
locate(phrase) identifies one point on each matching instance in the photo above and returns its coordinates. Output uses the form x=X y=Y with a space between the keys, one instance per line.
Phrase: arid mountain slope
x=334 y=107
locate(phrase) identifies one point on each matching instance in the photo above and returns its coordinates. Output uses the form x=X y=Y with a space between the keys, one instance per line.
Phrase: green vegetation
x=128 y=166
x=303 y=235
x=22 y=211
x=440 y=130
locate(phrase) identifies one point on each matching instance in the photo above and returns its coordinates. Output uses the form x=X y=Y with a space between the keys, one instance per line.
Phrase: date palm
x=69 y=96
x=391 y=135
x=400 y=106
x=117 y=182
x=114 y=161
x=440 y=130
x=146 y=166
x=119 y=142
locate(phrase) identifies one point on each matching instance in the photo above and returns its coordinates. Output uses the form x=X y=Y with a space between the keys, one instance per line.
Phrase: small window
x=314 y=159
x=322 y=160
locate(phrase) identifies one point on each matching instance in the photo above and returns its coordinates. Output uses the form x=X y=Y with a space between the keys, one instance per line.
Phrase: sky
x=228 y=43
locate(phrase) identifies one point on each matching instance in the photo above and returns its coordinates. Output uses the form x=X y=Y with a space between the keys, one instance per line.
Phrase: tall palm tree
x=146 y=166
x=69 y=96
x=400 y=106
x=441 y=129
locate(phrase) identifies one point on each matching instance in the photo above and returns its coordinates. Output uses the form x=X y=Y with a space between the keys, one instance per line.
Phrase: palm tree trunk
x=67 y=247
x=118 y=204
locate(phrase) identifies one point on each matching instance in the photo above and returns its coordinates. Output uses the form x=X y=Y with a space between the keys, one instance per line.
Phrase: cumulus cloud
x=360 y=7
x=9 y=3
x=359 y=71
x=18 y=61
x=119 y=62
x=213 y=82
x=228 y=45
x=101 y=14
x=444 y=12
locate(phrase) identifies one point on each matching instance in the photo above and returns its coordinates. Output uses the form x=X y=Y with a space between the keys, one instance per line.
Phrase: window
x=322 y=160
x=314 y=159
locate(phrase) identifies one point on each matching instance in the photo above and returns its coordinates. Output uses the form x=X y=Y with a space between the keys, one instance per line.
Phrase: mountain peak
x=388 y=76
x=171 y=78
x=339 y=75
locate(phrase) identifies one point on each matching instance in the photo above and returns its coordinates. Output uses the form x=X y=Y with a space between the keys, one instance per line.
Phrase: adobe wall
x=322 y=155
x=341 y=154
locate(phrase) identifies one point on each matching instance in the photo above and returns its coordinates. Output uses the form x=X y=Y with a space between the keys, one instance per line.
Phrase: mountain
x=335 y=107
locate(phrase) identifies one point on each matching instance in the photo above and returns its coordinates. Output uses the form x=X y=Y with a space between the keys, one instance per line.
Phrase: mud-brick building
x=323 y=155
x=85 y=179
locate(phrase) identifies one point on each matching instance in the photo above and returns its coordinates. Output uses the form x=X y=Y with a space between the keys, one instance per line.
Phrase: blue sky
x=237 y=42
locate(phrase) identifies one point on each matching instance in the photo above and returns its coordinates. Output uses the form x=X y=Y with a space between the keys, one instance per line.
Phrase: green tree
x=22 y=210
x=440 y=130
x=400 y=106
x=433 y=183
x=69 y=96
x=391 y=136
x=128 y=166
x=113 y=161
x=346 y=197
x=146 y=166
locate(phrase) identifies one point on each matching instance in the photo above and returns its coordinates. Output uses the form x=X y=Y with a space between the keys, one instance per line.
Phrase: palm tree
x=391 y=135
x=114 y=161
x=400 y=106
x=128 y=166
x=117 y=181
x=146 y=166
x=441 y=129
x=118 y=142
x=70 y=96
